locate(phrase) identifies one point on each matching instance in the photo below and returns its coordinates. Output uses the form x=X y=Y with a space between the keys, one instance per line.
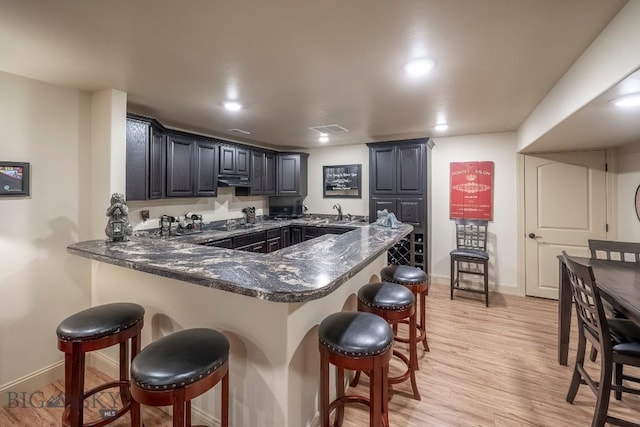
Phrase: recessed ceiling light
x=441 y=127
x=419 y=67
x=232 y=105
x=628 y=101
x=323 y=138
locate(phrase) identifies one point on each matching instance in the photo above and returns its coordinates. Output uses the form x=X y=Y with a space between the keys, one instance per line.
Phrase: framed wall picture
x=471 y=190
x=14 y=179
x=342 y=181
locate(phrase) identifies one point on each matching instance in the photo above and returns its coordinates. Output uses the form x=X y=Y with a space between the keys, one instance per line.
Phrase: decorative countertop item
x=387 y=219
x=118 y=227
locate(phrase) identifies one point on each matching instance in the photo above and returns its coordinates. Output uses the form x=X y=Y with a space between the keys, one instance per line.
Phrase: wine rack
x=400 y=253
x=412 y=250
x=419 y=250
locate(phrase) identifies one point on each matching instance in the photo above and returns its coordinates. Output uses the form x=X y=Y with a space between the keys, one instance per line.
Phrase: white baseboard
x=109 y=366
x=502 y=289
x=32 y=382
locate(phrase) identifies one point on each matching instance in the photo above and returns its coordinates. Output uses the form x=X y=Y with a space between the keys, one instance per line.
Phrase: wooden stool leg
x=423 y=319
x=339 y=393
x=413 y=355
x=136 y=418
x=187 y=413
x=324 y=388
x=178 y=409
x=225 y=400
x=74 y=387
x=124 y=372
x=375 y=394
x=385 y=394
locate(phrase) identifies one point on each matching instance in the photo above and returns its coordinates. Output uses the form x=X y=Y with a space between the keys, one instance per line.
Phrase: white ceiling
x=296 y=64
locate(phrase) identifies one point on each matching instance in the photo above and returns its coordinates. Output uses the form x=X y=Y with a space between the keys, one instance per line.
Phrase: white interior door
x=565 y=205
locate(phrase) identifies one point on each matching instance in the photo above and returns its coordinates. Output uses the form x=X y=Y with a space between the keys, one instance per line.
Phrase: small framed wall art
x=14 y=178
x=342 y=181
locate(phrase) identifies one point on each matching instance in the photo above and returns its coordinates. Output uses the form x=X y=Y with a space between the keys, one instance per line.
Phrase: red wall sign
x=471 y=190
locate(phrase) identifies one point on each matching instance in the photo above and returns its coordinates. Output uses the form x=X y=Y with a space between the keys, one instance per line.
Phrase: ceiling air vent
x=243 y=132
x=329 y=129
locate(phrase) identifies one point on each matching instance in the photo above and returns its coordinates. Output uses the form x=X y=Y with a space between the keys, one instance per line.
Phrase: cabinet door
x=137 y=157
x=378 y=204
x=206 y=178
x=157 y=164
x=243 y=161
x=296 y=235
x=382 y=161
x=257 y=172
x=410 y=167
x=273 y=245
x=289 y=174
x=227 y=159
x=410 y=211
x=180 y=152
x=269 y=183
x=285 y=237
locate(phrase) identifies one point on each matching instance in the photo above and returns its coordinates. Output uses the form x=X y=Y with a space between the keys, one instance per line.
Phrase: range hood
x=233 y=181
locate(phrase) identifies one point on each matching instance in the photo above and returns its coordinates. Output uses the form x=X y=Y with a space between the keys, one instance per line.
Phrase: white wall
x=340 y=155
x=40 y=283
x=501 y=149
x=628 y=163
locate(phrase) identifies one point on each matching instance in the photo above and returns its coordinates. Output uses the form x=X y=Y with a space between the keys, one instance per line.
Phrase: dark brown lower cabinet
x=273 y=245
x=297 y=235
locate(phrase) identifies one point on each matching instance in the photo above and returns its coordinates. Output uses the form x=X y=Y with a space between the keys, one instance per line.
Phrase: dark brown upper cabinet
x=397 y=169
x=180 y=161
x=145 y=160
x=234 y=160
x=292 y=174
x=206 y=176
x=263 y=173
x=191 y=167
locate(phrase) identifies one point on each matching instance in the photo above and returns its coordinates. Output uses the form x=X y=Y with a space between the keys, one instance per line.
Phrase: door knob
x=533 y=236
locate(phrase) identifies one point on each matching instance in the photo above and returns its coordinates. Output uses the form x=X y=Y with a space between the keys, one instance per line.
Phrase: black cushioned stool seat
x=359 y=342
x=394 y=303
x=179 y=367
x=93 y=329
x=415 y=280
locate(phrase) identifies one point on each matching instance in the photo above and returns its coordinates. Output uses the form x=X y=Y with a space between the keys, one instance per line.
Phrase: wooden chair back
x=592 y=321
x=614 y=250
x=471 y=234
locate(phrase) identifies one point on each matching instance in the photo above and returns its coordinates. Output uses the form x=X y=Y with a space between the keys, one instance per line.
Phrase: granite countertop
x=298 y=273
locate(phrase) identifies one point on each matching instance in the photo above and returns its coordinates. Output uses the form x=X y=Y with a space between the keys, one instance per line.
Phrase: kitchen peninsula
x=268 y=305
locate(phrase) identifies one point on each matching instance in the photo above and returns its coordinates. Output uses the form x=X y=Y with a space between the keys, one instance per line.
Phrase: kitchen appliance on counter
x=249 y=214
x=285 y=207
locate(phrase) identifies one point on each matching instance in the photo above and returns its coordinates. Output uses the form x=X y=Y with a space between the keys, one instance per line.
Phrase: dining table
x=618 y=283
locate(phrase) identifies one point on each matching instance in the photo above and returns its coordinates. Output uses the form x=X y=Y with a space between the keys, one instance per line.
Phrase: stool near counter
x=415 y=280
x=178 y=368
x=358 y=342
x=94 y=329
x=394 y=303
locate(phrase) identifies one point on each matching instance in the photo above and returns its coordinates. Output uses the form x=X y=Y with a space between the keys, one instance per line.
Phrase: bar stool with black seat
x=415 y=280
x=93 y=329
x=617 y=340
x=360 y=342
x=471 y=249
x=178 y=368
x=394 y=303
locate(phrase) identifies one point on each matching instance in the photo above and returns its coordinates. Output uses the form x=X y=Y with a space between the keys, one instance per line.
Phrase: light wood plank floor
x=491 y=366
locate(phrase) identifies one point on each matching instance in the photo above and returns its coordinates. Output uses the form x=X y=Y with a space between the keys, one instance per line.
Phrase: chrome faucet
x=339 y=209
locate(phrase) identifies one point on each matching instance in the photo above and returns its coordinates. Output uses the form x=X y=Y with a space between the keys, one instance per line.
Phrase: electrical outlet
x=144 y=215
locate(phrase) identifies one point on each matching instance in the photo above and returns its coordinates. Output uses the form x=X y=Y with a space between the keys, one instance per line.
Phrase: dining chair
x=617 y=340
x=471 y=248
x=613 y=251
